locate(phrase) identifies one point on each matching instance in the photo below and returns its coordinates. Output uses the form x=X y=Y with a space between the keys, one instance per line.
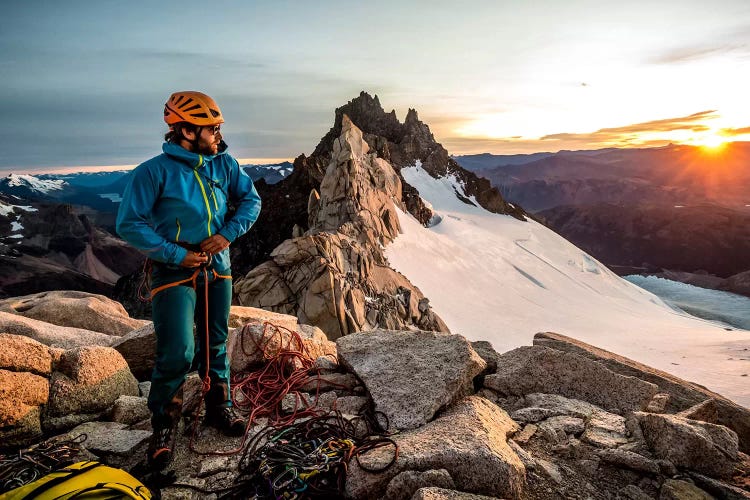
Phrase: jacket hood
x=188 y=157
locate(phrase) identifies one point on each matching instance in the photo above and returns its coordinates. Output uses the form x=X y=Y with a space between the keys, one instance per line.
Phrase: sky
x=84 y=83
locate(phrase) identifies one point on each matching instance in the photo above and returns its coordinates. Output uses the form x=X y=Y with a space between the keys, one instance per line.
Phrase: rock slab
x=531 y=369
x=705 y=448
x=75 y=309
x=411 y=374
x=23 y=354
x=683 y=394
x=469 y=440
x=49 y=334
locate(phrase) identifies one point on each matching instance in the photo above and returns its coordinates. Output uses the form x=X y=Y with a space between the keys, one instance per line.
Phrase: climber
x=174 y=210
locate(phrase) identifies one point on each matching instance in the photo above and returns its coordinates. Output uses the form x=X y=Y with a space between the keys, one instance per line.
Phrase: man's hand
x=193 y=259
x=214 y=244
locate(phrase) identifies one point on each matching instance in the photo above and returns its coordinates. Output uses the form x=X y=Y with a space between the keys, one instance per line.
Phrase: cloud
x=735 y=41
x=644 y=134
x=690 y=122
x=686 y=54
x=183 y=57
x=733 y=132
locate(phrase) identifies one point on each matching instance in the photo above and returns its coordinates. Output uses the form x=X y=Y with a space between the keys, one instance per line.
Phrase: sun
x=713 y=142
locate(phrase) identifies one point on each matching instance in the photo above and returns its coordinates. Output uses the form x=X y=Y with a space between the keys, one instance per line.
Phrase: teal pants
x=178 y=349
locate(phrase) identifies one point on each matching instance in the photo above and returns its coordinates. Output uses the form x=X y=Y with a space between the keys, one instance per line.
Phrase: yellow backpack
x=83 y=480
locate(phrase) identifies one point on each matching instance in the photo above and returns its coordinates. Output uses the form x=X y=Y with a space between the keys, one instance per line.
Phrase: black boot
x=161 y=446
x=221 y=414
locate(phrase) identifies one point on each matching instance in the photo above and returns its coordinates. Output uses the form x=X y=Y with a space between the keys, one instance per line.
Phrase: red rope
x=260 y=392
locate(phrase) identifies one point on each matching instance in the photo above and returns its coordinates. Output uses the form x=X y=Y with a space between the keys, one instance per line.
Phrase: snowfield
x=35 y=184
x=6 y=209
x=492 y=277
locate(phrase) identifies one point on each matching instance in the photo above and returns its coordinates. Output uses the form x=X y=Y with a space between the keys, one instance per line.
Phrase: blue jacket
x=182 y=196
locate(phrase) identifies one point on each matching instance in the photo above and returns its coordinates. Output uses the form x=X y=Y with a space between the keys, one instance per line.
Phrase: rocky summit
x=559 y=419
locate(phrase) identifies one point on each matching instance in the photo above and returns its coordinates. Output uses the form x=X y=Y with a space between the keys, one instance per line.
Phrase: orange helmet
x=192 y=107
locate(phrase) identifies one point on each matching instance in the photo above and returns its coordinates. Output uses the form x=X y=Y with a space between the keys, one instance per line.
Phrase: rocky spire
x=358 y=192
x=336 y=276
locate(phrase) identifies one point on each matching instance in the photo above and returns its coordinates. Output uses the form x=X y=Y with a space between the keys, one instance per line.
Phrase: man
x=174 y=210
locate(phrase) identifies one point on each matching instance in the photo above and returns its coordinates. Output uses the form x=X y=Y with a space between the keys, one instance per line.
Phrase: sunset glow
x=714 y=142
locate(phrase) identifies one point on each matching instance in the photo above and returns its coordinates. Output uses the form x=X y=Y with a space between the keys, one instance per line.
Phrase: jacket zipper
x=203 y=191
x=179 y=228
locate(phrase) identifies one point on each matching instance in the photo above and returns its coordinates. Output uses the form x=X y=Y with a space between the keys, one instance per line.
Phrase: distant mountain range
x=102 y=191
x=675 y=174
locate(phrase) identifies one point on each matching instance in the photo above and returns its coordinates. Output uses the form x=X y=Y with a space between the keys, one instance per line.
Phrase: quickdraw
x=28 y=465
x=306 y=459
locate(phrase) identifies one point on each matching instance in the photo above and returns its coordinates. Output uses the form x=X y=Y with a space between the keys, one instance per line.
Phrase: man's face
x=209 y=140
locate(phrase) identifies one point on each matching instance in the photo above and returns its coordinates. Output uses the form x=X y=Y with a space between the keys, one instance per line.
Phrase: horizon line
x=67 y=169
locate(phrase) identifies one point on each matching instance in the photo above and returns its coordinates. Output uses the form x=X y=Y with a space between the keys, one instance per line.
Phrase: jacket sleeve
x=134 y=218
x=243 y=193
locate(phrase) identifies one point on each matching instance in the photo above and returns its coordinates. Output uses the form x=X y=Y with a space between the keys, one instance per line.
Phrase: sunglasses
x=215 y=129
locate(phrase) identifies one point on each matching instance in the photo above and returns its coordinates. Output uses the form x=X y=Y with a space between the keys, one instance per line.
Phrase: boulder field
x=557 y=419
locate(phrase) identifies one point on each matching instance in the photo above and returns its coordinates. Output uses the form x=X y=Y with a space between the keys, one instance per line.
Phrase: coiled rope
x=290 y=458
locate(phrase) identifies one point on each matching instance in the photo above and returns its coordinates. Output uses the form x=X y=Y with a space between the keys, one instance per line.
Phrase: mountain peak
x=15 y=181
x=350 y=144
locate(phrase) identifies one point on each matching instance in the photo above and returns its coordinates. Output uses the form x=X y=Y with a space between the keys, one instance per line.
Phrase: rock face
x=74 y=309
x=469 y=441
x=683 y=394
x=440 y=368
x=532 y=369
x=336 y=276
x=359 y=193
x=300 y=203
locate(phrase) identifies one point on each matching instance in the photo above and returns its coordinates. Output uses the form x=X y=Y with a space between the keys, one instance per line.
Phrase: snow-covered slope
x=492 y=277
x=42 y=186
x=7 y=209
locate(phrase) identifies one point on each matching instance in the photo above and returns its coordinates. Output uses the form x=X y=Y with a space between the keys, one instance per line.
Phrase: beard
x=208 y=148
